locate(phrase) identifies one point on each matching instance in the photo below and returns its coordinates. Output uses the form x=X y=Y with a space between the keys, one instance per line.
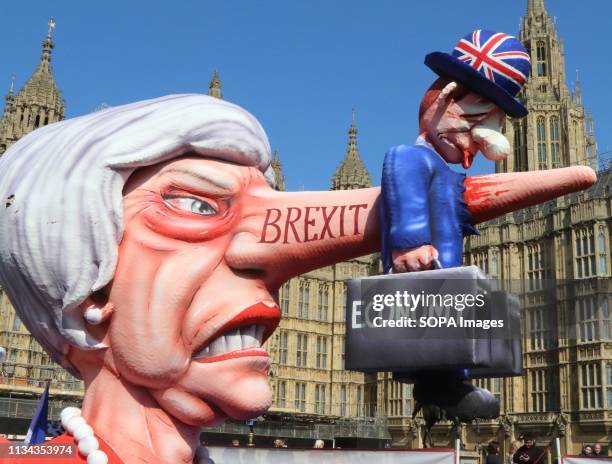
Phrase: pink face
x=187 y=325
x=461 y=123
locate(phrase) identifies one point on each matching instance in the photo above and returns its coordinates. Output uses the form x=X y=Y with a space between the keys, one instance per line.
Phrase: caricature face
x=205 y=245
x=187 y=325
x=459 y=123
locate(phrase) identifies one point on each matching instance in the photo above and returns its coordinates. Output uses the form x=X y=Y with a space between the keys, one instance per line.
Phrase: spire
x=351 y=173
x=214 y=88
x=10 y=97
x=47 y=44
x=41 y=89
x=279 y=178
x=535 y=6
x=352 y=132
x=38 y=103
x=591 y=129
x=577 y=91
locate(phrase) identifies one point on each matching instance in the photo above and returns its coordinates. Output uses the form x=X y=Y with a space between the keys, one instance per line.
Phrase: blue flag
x=37 y=431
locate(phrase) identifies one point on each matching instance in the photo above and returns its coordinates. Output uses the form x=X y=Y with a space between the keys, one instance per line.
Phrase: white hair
x=61 y=212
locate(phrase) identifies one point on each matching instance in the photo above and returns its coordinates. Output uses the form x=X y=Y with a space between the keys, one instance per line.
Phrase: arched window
x=494 y=267
x=554 y=142
x=541 y=132
x=541 y=58
x=601 y=245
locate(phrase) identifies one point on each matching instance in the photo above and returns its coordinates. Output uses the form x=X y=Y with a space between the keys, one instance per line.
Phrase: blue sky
x=299 y=66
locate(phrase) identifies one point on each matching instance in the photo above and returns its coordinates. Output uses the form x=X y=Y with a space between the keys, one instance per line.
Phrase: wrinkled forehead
x=205 y=175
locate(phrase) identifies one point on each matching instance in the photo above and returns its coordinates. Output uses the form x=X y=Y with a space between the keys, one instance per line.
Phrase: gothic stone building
x=566 y=390
x=557 y=257
x=567 y=387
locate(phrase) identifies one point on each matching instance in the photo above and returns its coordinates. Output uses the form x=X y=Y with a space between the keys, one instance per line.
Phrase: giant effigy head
x=143 y=245
x=123 y=235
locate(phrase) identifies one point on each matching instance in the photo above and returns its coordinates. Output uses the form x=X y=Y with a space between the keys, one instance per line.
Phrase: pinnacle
x=351 y=173
x=214 y=88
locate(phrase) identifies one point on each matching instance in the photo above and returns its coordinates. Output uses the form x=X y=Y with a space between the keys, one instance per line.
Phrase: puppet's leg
x=456 y=396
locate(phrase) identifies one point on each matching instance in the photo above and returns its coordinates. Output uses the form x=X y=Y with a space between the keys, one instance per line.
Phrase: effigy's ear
x=97 y=309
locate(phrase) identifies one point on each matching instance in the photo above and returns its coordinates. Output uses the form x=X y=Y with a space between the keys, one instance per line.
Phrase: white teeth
x=217 y=346
x=249 y=340
x=243 y=338
x=234 y=340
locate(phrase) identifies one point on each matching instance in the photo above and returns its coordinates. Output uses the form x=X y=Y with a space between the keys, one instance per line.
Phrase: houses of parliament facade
x=566 y=388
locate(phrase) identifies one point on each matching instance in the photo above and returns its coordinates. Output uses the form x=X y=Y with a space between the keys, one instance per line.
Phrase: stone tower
x=38 y=103
x=214 y=88
x=554 y=134
x=351 y=173
x=278 y=172
x=556 y=257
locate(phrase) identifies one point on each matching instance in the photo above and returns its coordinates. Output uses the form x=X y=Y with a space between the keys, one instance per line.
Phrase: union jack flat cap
x=492 y=64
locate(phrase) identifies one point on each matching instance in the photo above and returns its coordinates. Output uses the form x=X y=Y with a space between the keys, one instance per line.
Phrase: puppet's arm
x=406 y=178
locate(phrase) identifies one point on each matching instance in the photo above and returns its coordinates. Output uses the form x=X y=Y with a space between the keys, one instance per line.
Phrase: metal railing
x=334 y=427
x=72 y=386
x=21 y=408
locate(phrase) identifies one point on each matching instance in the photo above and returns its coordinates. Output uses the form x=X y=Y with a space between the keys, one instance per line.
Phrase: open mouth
x=242 y=336
x=468 y=159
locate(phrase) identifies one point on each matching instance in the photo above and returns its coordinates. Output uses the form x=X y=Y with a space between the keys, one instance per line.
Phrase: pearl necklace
x=83 y=433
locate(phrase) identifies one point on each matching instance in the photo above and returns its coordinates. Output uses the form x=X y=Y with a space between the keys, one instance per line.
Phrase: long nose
x=285 y=234
x=490 y=140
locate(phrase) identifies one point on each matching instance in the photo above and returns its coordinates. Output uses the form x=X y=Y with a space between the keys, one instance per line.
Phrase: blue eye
x=193 y=205
x=201 y=207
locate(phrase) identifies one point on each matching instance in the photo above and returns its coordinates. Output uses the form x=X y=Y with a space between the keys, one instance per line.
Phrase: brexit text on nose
x=311 y=223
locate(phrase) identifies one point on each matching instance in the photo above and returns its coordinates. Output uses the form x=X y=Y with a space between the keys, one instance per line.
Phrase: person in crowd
x=280 y=443
x=319 y=444
x=529 y=453
x=514 y=446
x=598 y=450
x=587 y=450
x=493 y=456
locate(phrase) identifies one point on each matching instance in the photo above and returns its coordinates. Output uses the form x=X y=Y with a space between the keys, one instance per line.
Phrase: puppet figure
x=424 y=217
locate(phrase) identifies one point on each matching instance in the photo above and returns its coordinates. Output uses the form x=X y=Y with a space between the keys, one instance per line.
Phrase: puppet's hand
x=414 y=259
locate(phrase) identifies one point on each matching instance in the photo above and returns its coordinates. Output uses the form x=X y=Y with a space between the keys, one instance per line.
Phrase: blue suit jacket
x=422 y=204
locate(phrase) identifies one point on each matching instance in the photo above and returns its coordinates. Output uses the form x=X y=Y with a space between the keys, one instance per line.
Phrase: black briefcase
x=445 y=332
